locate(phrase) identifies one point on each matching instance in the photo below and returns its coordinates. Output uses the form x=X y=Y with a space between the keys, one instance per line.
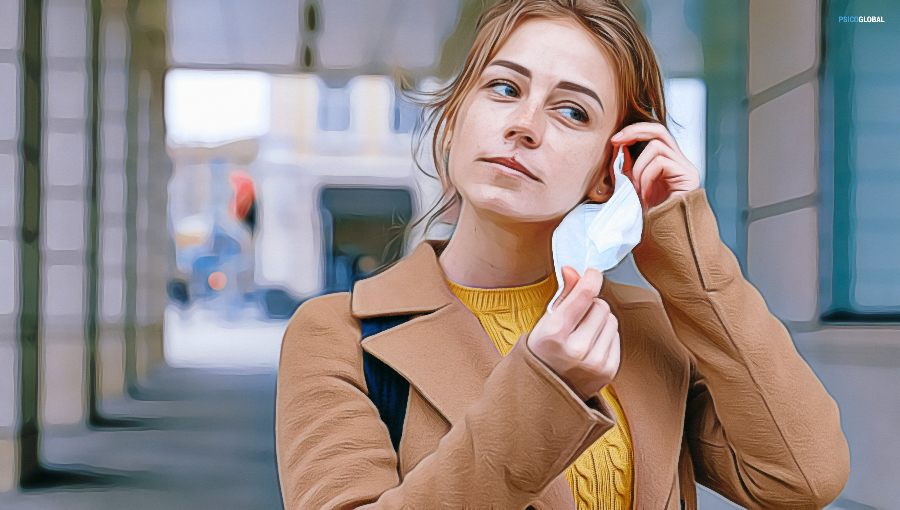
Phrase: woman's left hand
x=661 y=170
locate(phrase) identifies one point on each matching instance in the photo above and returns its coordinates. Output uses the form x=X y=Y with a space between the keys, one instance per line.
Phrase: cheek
x=579 y=158
x=481 y=121
x=474 y=131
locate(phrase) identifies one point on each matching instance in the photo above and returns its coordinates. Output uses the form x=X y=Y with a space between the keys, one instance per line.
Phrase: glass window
x=860 y=126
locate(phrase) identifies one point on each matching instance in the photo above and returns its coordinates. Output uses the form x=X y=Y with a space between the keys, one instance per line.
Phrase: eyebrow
x=567 y=85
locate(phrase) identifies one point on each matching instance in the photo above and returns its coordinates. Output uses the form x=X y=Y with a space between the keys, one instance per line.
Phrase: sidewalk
x=209 y=445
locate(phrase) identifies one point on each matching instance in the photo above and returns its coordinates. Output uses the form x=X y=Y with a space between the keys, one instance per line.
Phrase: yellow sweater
x=601 y=478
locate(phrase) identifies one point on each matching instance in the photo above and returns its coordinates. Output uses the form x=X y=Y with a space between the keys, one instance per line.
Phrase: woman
x=622 y=397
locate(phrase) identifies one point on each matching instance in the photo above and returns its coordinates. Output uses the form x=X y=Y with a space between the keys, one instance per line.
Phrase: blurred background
x=177 y=176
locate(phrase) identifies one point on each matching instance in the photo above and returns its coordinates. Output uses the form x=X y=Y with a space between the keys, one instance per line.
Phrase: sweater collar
x=481 y=300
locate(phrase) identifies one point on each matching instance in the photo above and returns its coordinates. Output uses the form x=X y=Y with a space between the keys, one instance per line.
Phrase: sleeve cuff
x=595 y=408
x=681 y=246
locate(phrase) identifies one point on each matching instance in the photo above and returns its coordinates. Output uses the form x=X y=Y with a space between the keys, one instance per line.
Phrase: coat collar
x=449 y=365
x=413 y=285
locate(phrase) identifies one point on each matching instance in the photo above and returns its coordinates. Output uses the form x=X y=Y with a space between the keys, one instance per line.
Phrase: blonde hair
x=640 y=83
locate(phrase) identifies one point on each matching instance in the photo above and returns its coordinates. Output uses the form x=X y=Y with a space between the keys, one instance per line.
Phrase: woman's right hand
x=579 y=340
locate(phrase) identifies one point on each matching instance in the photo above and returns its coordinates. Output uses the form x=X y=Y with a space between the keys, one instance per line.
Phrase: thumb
x=570 y=278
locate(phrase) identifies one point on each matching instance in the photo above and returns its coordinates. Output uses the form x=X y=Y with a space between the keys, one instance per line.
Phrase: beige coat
x=710 y=382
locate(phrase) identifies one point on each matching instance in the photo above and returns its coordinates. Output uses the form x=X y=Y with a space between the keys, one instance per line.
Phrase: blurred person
x=221 y=268
x=441 y=381
x=243 y=208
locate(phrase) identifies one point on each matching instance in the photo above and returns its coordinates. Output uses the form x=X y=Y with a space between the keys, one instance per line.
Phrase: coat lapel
x=449 y=365
x=651 y=386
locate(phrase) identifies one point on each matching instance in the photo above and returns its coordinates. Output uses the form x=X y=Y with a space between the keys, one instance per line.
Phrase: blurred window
x=363 y=230
x=334 y=109
x=216 y=106
x=403 y=116
x=860 y=156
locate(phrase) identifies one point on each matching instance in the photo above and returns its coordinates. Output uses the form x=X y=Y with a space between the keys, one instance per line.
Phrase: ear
x=604 y=182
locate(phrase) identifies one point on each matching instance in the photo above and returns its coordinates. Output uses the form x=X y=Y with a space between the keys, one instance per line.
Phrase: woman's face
x=548 y=101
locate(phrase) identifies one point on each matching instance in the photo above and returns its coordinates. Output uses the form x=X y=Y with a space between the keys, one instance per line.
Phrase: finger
x=577 y=303
x=583 y=338
x=650 y=176
x=605 y=350
x=570 y=278
x=653 y=149
x=644 y=131
x=613 y=358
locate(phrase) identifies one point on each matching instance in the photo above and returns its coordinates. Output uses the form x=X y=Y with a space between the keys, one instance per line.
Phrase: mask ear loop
x=618 y=164
x=623 y=160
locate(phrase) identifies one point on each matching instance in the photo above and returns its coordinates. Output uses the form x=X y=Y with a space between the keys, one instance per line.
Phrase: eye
x=504 y=88
x=574 y=113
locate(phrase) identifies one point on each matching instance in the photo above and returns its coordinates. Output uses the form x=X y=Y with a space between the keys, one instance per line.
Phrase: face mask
x=599 y=235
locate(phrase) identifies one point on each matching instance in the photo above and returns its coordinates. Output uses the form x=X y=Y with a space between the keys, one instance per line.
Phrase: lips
x=513 y=165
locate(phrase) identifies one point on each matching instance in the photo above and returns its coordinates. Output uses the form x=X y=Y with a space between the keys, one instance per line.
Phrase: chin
x=507 y=205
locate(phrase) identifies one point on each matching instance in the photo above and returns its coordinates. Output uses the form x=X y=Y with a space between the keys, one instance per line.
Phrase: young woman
x=622 y=397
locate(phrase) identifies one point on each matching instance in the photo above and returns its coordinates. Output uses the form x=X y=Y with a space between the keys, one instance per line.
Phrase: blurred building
x=112 y=190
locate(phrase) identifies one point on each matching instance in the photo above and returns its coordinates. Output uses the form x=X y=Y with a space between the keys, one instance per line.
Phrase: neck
x=487 y=252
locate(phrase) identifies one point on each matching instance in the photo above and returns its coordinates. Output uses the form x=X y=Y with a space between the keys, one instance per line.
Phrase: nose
x=525 y=126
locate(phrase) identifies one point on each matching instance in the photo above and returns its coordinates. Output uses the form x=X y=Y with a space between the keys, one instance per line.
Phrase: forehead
x=560 y=49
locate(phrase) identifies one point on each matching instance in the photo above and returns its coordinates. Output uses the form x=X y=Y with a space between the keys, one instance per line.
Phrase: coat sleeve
x=333 y=450
x=761 y=428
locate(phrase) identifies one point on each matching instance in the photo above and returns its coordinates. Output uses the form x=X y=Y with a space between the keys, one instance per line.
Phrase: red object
x=244 y=193
x=217 y=280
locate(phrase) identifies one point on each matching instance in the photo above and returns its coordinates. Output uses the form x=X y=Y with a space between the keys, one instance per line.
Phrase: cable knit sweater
x=601 y=478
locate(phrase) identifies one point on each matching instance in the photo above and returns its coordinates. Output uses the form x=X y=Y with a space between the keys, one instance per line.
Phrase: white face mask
x=599 y=235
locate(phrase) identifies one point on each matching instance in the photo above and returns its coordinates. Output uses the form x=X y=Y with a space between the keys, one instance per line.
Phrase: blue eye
x=577 y=114
x=504 y=88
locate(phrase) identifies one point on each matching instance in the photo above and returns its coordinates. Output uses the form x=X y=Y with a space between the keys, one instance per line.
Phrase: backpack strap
x=387 y=389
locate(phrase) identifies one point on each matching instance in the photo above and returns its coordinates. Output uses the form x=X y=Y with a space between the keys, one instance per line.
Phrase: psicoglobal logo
x=860 y=19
